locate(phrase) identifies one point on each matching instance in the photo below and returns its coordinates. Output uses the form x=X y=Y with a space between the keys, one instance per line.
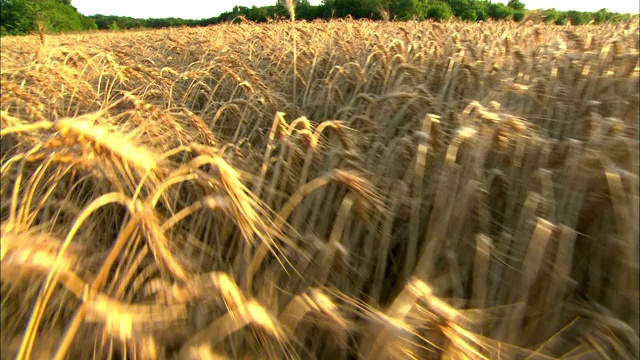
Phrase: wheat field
x=323 y=190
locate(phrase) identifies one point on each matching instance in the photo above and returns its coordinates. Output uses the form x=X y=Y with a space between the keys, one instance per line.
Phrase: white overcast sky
x=204 y=9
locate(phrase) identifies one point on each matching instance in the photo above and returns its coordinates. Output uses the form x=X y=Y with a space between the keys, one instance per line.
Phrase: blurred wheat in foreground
x=460 y=191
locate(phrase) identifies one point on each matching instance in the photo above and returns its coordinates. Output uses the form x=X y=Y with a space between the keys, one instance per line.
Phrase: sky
x=204 y=9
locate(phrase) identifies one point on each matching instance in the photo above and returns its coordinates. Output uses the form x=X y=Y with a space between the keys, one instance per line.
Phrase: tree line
x=20 y=17
x=440 y=10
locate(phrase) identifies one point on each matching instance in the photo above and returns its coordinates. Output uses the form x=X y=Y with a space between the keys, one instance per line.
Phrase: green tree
x=58 y=16
x=19 y=17
x=515 y=5
x=519 y=15
x=579 y=17
x=480 y=8
x=407 y=9
x=306 y=11
x=603 y=15
x=114 y=25
x=561 y=18
x=439 y=11
x=358 y=9
x=257 y=14
x=469 y=14
x=88 y=23
x=551 y=15
x=459 y=7
x=499 y=11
